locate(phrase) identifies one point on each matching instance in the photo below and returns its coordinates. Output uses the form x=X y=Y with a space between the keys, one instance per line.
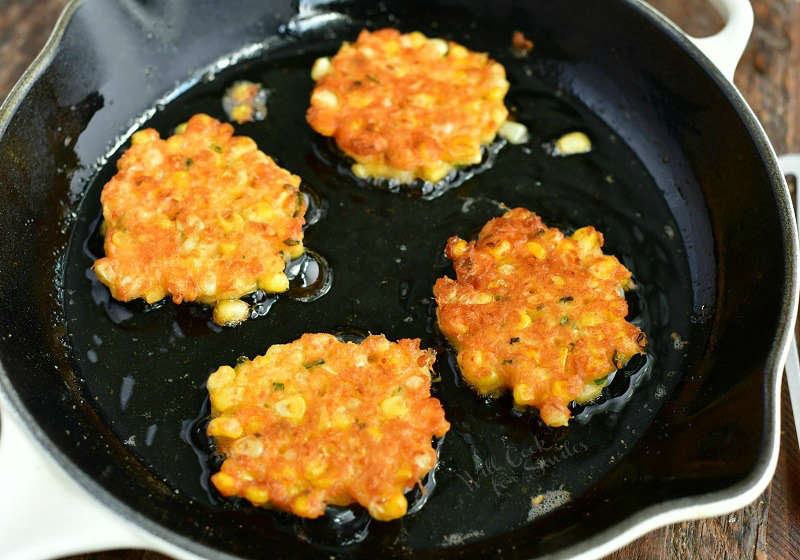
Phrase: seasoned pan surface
x=146 y=367
x=119 y=388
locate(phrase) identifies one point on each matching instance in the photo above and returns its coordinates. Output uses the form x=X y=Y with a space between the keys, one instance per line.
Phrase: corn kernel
x=457 y=51
x=315 y=469
x=360 y=99
x=394 y=407
x=342 y=420
x=436 y=172
x=425 y=461
x=302 y=506
x=240 y=145
x=500 y=249
x=483 y=298
x=320 y=68
x=439 y=46
x=403 y=473
x=559 y=389
x=249 y=446
x=178 y=180
x=230 y=312
x=223 y=377
x=142 y=137
x=588 y=239
x=524 y=320
x=325 y=98
x=458 y=248
x=293 y=407
x=225 y=483
x=514 y=132
x=591 y=319
x=524 y=394
x=234 y=223
x=225 y=427
x=296 y=250
x=104 y=272
x=536 y=250
x=496 y=94
x=488 y=382
x=414 y=382
x=242 y=113
x=417 y=39
x=604 y=269
x=155 y=294
x=573 y=143
x=257 y=496
x=391 y=508
x=275 y=283
x=554 y=416
x=261 y=213
x=226 y=247
x=225 y=398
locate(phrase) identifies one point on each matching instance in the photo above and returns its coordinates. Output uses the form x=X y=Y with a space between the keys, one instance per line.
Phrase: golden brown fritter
x=319 y=421
x=404 y=106
x=536 y=312
x=201 y=216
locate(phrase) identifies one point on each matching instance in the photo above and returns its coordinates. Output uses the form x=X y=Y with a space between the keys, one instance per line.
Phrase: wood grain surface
x=769 y=79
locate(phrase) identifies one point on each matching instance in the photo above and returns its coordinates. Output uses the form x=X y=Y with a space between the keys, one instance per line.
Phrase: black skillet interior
x=119 y=389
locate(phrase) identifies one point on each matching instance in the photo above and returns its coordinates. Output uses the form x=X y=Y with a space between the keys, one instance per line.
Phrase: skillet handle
x=45 y=514
x=726 y=47
x=790 y=165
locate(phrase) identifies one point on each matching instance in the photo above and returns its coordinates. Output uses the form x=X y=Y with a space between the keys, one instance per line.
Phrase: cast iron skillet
x=681 y=181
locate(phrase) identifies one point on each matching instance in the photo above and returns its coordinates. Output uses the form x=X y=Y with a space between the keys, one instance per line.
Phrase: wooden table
x=769 y=78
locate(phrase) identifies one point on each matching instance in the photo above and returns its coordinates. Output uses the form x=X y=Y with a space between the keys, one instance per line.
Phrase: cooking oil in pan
x=386 y=251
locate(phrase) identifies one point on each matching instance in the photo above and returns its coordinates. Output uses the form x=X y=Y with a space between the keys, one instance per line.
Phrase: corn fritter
x=202 y=216
x=536 y=312
x=319 y=421
x=404 y=106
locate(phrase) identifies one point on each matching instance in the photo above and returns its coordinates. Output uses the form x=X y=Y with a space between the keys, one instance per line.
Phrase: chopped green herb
x=189 y=162
x=619 y=359
x=216 y=147
x=299 y=205
x=600 y=382
x=498 y=297
x=566 y=299
x=564 y=320
x=397 y=390
x=508 y=362
x=278 y=386
x=514 y=340
x=312 y=364
x=372 y=78
x=242 y=359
